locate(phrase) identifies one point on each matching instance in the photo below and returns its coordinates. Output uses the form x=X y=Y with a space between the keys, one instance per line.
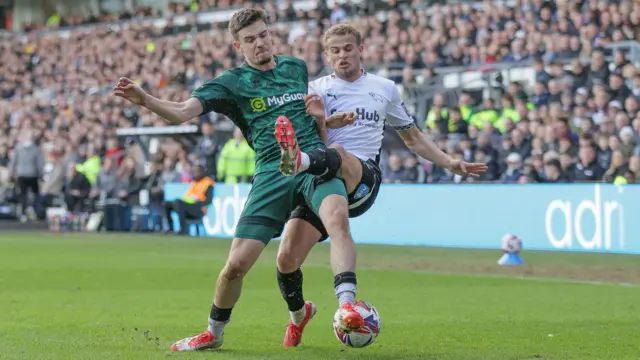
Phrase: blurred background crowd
x=541 y=91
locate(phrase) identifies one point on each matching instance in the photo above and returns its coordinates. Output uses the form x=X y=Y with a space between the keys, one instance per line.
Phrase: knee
x=348 y=162
x=287 y=261
x=236 y=268
x=338 y=148
x=336 y=220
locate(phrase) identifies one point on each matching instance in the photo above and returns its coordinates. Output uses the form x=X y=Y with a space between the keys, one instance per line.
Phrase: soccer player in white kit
x=352 y=107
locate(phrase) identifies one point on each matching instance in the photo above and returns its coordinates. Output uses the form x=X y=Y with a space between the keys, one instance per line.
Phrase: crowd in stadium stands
x=579 y=122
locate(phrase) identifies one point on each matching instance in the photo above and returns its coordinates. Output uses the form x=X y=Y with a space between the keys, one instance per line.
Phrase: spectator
x=53 y=186
x=237 y=160
x=414 y=173
x=466 y=148
x=27 y=168
x=113 y=151
x=118 y=209
x=567 y=166
x=169 y=173
x=4 y=167
x=194 y=203
x=455 y=124
x=4 y=157
x=396 y=172
x=77 y=189
x=155 y=184
x=127 y=184
x=338 y=14
x=618 y=167
x=587 y=168
x=553 y=172
x=183 y=167
x=634 y=164
x=105 y=185
x=521 y=145
x=629 y=177
x=207 y=149
x=627 y=141
x=514 y=168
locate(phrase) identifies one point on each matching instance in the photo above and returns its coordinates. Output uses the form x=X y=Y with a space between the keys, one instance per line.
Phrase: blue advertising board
x=573 y=217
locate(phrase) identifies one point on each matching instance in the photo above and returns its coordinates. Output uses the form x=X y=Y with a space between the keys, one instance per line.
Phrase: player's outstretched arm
x=399 y=118
x=424 y=147
x=427 y=149
x=174 y=112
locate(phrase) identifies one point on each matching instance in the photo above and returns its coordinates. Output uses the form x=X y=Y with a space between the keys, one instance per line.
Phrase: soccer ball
x=511 y=244
x=363 y=336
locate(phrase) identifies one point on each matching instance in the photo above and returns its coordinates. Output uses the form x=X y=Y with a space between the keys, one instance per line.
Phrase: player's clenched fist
x=130 y=91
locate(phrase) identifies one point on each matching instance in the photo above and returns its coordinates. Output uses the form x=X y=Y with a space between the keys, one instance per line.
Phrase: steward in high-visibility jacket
x=237 y=161
x=90 y=168
x=194 y=203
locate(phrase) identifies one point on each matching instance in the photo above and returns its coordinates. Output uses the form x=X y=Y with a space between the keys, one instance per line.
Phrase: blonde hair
x=342 y=30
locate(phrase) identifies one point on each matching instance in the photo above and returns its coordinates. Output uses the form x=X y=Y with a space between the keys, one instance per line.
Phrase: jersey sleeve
x=216 y=97
x=397 y=115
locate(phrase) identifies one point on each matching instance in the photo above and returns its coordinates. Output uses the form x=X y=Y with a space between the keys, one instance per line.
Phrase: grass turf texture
x=129 y=297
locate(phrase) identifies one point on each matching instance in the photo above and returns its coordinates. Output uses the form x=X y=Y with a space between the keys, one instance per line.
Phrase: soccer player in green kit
x=253 y=96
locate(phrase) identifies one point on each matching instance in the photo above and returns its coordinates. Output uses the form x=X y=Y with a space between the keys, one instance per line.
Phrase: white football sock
x=297 y=317
x=304 y=162
x=216 y=327
x=346 y=293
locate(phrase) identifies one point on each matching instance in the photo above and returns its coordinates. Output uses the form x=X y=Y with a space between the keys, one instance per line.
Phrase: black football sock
x=345 y=285
x=324 y=163
x=291 y=289
x=218 y=319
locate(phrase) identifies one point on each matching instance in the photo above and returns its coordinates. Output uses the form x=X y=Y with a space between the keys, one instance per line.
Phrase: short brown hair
x=243 y=18
x=341 y=30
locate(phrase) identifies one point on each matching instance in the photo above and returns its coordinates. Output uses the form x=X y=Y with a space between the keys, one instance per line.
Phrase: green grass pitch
x=82 y=296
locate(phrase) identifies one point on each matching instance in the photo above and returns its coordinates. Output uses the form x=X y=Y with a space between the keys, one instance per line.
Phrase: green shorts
x=273 y=197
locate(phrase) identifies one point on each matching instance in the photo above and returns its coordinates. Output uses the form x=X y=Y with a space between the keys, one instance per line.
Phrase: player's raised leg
x=298 y=239
x=242 y=256
x=322 y=162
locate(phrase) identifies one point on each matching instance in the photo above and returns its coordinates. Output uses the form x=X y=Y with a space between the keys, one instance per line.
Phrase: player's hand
x=315 y=105
x=342 y=119
x=466 y=169
x=130 y=91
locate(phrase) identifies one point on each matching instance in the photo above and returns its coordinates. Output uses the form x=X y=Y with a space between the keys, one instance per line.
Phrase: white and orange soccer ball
x=363 y=336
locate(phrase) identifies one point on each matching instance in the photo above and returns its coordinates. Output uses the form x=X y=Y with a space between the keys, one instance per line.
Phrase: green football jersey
x=254 y=99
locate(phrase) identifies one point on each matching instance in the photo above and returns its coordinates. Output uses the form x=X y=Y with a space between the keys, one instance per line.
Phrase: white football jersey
x=375 y=100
